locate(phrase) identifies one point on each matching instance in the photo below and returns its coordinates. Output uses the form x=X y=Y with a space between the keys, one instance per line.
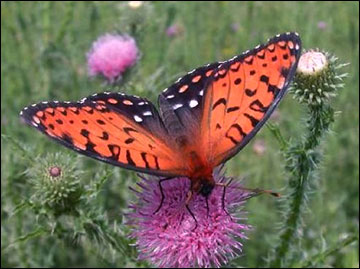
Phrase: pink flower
x=174 y=30
x=322 y=25
x=111 y=55
x=172 y=238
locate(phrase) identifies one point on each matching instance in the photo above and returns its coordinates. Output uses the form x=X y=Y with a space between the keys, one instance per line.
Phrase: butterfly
x=204 y=118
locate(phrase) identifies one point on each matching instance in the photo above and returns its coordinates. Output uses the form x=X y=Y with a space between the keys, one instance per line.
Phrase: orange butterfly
x=204 y=118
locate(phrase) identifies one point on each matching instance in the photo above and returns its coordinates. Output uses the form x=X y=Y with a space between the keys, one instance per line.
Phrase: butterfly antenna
x=207 y=206
x=257 y=191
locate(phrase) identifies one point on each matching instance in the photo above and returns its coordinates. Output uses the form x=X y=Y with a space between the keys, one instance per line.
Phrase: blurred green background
x=43 y=57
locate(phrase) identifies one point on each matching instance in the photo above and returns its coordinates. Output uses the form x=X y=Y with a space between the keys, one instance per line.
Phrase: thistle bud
x=56 y=183
x=317 y=78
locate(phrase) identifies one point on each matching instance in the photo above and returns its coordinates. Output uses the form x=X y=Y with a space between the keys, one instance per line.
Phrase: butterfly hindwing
x=243 y=93
x=119 y=129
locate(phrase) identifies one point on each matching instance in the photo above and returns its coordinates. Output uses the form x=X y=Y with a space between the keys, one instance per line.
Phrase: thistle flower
x=111 y=55
x=174 y=30
x=322 y=25
x=172 y=238
x=317 y=77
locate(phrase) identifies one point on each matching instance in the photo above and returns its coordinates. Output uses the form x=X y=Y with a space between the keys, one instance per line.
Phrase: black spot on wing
x=254 y=121
x=219 y=102
x=129 y=159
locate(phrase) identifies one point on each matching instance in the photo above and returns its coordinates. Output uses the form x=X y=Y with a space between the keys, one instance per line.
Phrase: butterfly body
x=203 y=120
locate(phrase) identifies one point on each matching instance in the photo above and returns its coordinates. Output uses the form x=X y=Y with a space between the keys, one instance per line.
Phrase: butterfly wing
x=123 y=130
x=181 y=103
x=242 y=94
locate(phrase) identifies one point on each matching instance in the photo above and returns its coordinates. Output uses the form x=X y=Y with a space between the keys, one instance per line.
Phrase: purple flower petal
x=168 y=238
x=111 y=55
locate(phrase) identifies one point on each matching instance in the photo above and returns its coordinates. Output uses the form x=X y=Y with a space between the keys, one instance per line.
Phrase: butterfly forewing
x=119 y=129
x=243 y=93
x=184 y=99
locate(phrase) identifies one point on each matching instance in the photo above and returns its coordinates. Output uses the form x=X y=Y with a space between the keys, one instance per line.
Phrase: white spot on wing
x=33 y=105
x=170 y=96
x=165 y=89
x=193 y=103
x=258 y=46
x=177 y=106
x=44 y=102
x=137 y=118
x=33 y=123
x=297 y=46
x=141 y=103
x=201 y=93
x=147 y=113
x=278 y=35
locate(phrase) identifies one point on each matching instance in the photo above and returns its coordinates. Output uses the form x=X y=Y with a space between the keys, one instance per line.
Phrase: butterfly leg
x=207 y=206
x=162 y=193
x=188 y=199
x=223 y=195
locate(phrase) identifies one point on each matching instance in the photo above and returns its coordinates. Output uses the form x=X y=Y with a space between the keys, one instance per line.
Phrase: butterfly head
x=206 y=187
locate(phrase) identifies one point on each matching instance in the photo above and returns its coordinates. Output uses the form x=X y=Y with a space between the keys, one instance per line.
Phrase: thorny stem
x=301 y=163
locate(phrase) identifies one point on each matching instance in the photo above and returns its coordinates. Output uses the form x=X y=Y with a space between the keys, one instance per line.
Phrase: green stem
x=302 y=162
x=17 y=144
x=38 y=232
x=315 y=259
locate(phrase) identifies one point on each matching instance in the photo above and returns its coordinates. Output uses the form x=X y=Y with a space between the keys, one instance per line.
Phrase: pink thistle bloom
x=174 y=30
x=111 y=55
x=172 y=238
x=322 y=25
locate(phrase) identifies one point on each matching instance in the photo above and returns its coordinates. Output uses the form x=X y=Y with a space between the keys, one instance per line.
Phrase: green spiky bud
x=56 y=182
x=318 y=78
